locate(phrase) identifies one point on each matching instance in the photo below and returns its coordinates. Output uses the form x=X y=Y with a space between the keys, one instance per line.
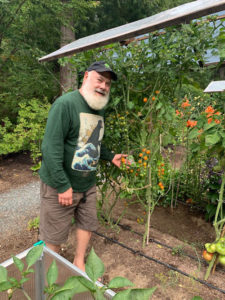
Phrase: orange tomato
x=157 y=92
x=145 y=157
x=144 y=149
x=145 y=100
x=207 y=256
x=153 y=98
x=148 y=151
x=140 y=154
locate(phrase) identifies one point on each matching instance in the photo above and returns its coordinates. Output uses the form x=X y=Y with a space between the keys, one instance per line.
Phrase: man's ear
x=86 y=75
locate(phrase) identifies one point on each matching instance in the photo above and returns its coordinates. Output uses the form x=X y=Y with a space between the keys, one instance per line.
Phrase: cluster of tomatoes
x=213 y=248
x=143 y=162
x=139 y=168
x=161 y=173
x=153 y=98
x=117 y=124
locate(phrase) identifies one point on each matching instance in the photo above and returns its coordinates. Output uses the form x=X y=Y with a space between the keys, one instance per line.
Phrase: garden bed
x=184 y=231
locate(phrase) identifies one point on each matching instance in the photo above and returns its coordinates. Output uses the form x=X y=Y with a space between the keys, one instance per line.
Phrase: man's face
x=99 y=82
x=95 y=89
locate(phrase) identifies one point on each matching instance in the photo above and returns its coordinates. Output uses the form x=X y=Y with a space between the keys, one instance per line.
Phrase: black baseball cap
x=102 y=66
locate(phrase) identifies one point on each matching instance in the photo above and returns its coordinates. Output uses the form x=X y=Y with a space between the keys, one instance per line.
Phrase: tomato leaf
x=212 y=139
x=193 y=133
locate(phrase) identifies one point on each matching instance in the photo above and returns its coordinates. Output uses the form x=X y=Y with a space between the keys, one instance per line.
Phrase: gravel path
x=18 y=206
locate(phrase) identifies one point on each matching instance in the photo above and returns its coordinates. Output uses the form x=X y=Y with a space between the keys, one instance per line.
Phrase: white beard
x=96 y=102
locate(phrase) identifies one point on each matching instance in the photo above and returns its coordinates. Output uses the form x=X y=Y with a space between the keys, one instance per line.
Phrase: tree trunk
x=68 y=74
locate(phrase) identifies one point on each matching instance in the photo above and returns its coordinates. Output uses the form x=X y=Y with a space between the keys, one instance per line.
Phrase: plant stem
x=216 y=226
x=210 y=267
x=26 y=295
x=219 y=207
x=149 y=200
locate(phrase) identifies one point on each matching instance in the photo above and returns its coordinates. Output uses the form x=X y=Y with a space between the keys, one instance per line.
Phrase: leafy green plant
x=178 y=250
x=74 y=284
x=143 y=114
x=33 y=223
x=29 y=131
x=10 y=284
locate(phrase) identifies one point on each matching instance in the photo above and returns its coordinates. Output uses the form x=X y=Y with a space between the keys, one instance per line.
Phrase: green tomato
x=220 y=248
x=222 y=240
x=211 y=248
x=222 y=259
x=207 y=245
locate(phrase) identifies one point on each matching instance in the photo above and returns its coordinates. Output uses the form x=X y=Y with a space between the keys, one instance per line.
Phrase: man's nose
x=103 y=86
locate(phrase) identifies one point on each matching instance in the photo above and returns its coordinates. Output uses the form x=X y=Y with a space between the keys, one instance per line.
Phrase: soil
x=173 y=234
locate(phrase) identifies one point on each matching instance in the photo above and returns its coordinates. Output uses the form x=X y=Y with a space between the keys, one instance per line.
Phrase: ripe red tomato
x=207 y=256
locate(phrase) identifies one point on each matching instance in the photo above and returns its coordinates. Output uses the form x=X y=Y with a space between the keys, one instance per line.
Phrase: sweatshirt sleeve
x=53 y=146
x=105 y=154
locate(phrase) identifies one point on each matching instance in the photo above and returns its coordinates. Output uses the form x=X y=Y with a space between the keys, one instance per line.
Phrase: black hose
x=128 y=228
x=160 y=262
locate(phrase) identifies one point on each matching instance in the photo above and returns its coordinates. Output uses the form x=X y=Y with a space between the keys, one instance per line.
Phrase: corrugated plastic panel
x=215 y=86
x=180 y=14
x=65 y=270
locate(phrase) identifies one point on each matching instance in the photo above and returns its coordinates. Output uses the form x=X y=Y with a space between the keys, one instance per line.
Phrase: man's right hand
x=66 y=198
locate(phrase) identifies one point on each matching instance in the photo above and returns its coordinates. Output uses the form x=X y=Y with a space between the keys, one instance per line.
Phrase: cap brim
x=101 y=70
x=113 y=75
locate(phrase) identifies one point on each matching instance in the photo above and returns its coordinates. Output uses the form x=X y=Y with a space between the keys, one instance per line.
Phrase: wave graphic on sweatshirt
x=87 y=152
x=84 y=160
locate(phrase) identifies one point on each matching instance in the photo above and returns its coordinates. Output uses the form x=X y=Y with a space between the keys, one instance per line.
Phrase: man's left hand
x=117 y=159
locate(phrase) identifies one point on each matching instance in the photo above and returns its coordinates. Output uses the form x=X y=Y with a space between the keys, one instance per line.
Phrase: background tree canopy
x=30 y=29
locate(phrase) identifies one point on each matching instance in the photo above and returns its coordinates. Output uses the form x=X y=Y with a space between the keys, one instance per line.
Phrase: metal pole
x=39 y=279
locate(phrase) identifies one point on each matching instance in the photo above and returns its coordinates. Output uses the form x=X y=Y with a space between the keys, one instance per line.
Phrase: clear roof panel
x=180 y=14
x=215 y=87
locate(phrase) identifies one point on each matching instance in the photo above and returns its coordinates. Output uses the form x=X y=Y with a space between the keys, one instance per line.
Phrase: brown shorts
x=56 y=220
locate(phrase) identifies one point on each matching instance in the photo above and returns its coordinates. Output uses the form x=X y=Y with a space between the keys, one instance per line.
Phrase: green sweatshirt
x=71 y=146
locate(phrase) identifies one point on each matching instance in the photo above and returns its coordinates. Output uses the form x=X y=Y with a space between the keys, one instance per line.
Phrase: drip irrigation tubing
x=128 y=228
x=160 y=262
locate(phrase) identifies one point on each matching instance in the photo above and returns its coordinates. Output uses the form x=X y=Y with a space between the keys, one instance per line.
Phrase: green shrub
x=28 y=132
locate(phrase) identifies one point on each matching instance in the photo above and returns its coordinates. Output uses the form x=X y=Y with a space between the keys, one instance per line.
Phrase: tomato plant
x=163 y=108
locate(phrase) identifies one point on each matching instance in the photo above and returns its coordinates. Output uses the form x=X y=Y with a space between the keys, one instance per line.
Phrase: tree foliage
x=30 y=29
x=113 y=13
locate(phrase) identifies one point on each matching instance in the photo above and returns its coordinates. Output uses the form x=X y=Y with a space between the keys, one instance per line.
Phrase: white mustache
x=101 y=92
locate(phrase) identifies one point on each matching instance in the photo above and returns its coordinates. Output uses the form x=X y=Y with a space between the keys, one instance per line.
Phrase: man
x=71 y=150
